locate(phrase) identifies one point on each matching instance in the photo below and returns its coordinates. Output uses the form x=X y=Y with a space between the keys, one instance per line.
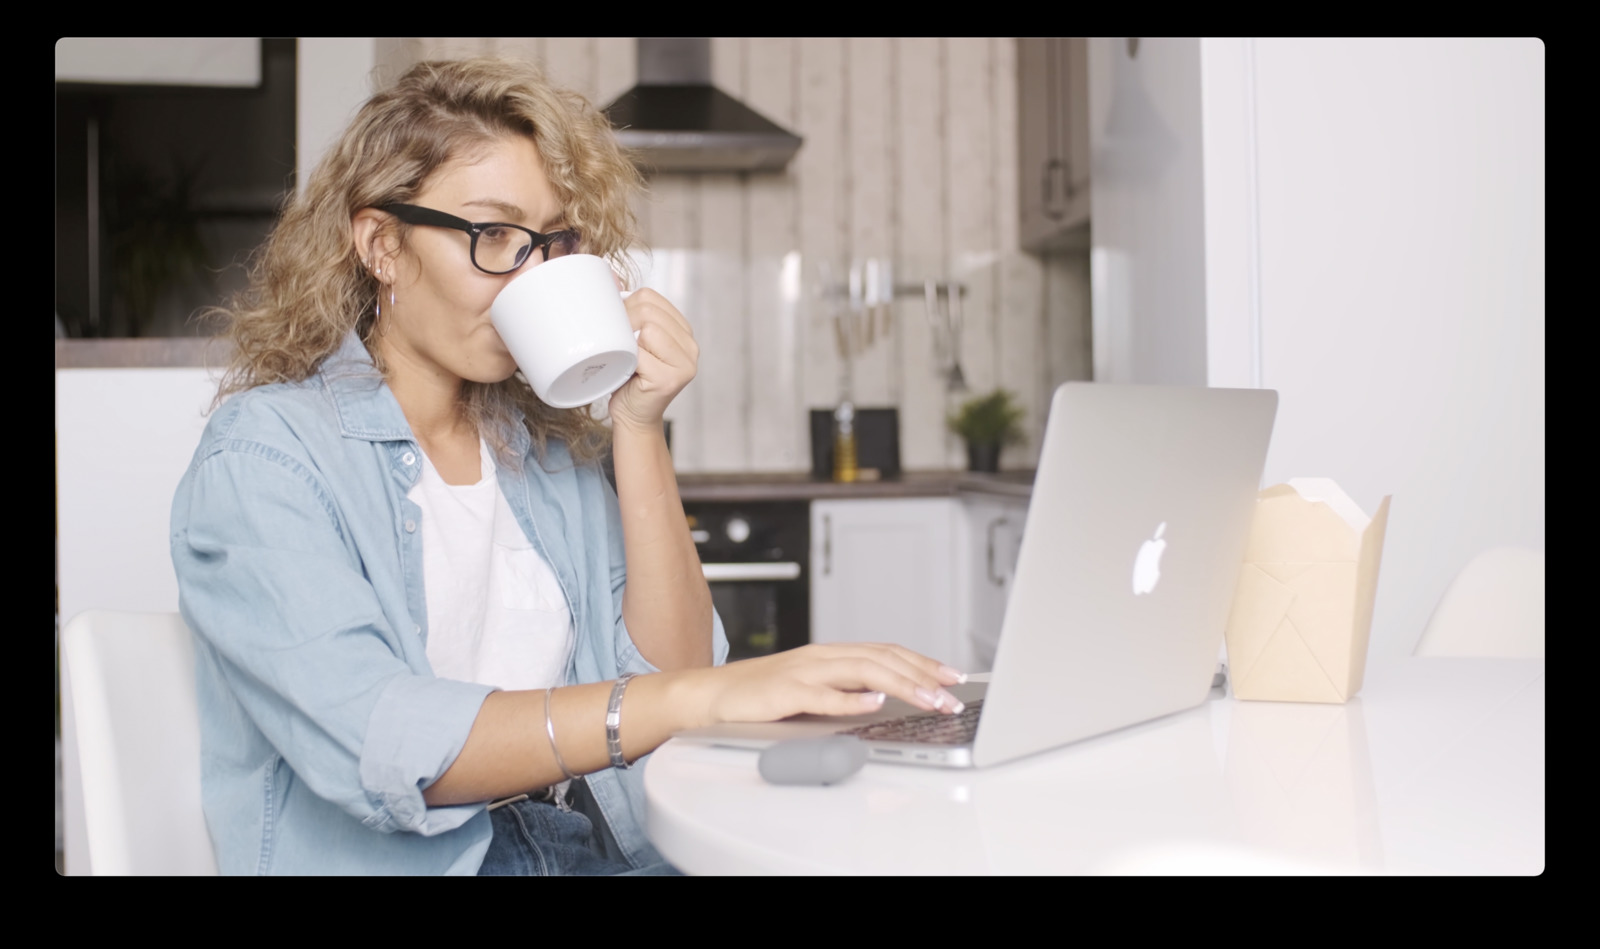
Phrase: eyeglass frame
x=428 y=217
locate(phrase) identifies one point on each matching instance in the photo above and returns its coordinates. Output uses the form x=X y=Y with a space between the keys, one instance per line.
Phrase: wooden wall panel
x=455 y=47
x=1066 y=320
x=675 y=272
x=910 y=154
x=866 y=203
x=569 y=61
x=778 y=438
x=973 y=229
x=823 y=224
x=1021 y=357
x=922 y=198
x=720 y=319
x=721 y=324
x=521 y=47
x=616 y=67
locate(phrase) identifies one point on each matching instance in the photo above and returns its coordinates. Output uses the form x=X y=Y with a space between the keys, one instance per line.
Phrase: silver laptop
x=1134 y=538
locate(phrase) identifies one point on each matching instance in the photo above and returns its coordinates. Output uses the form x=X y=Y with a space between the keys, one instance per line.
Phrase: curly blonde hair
x=308 y=287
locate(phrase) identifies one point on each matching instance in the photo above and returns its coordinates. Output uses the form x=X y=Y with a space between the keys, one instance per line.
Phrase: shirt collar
x=366 y=407
x=362 y=400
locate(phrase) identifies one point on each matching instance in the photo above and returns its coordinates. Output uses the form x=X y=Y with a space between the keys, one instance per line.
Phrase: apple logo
x=1147 y=566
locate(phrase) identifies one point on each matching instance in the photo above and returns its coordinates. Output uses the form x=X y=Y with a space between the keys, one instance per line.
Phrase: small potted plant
x=987 y=423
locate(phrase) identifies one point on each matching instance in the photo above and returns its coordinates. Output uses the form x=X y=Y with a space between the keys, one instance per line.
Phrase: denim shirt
x=299 y=563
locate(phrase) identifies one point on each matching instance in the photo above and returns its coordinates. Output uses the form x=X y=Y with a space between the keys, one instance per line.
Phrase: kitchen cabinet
x=883 y=571
x=932 y=574
x=1053 y=142
x=987 y=542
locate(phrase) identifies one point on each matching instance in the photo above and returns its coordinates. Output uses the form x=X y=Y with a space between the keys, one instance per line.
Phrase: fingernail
x=924 y=695
x=872 y=699
x=946 y=700
x=949 y=672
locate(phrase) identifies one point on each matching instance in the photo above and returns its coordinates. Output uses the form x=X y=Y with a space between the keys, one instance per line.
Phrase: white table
x=1437 y=766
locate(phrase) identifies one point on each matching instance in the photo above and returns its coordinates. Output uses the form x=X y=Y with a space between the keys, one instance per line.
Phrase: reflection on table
x=1436 y=767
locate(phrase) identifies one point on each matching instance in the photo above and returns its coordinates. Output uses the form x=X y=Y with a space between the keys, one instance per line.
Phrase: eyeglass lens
x=503 y=249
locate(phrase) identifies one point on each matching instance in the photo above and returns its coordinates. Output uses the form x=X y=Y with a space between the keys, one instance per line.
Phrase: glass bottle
x=844 y=443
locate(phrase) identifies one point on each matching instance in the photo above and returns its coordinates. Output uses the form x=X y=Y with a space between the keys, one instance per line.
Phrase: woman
x=429 y=639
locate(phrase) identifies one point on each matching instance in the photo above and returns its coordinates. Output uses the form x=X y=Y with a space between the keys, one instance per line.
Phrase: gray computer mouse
x=826 y=760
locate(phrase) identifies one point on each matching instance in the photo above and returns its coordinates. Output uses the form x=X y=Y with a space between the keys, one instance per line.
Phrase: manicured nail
x=923 y=695
x=873 y=699
x=946 y=700
x=951 y=673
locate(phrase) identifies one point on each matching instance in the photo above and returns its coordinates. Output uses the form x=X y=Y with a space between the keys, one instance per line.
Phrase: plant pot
x=983 y=456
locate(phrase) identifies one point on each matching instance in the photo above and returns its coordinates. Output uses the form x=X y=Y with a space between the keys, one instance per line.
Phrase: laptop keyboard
x=928 y=728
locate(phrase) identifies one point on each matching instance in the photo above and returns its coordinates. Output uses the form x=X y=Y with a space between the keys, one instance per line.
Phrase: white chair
x=135 y=717
x=1494 y=607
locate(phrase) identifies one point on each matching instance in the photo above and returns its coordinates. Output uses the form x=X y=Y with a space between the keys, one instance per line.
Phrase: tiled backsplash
x=910 y=157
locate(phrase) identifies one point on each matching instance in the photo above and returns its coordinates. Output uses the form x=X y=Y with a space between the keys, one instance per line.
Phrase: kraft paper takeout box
x=1303 y=608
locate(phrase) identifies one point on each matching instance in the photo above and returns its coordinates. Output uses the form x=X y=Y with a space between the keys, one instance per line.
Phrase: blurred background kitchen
x=1358 y=224
x=909 y=164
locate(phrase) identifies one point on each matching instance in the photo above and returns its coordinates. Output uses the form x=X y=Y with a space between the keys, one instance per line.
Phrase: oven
x=755 y=560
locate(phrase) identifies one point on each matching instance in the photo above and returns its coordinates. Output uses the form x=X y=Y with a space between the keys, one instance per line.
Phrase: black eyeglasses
x=496 y=248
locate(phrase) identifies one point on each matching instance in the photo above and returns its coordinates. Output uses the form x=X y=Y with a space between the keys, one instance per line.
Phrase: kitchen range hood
x=675 y=120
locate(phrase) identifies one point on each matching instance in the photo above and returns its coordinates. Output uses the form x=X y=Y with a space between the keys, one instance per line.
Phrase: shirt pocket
x=525 y=581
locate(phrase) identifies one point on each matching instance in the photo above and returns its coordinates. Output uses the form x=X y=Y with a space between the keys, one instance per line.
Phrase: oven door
x=764 y=606
x=754 y=557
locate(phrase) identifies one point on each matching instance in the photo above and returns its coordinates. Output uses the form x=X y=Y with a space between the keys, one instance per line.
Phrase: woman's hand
x=828 y=679
x=668 y=358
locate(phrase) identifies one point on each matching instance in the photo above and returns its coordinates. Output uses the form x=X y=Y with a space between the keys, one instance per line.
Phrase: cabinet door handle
x=1052 y=209
x=827 y=544
x=996 y=579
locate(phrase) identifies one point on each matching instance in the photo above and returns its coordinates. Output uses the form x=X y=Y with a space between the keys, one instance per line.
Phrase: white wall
x=123 y=440
x=1374 y=250
x=335 y=78
x=1147 y=262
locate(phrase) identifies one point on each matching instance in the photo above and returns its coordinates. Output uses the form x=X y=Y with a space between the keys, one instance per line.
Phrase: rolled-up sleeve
x=274 y=589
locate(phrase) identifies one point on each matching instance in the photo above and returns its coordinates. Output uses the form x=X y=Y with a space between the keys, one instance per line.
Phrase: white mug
x=568 y=330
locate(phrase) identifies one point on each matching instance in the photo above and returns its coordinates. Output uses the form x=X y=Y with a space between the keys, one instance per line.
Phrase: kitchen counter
x=800 y=486
x=694 y=488
x=147 y=353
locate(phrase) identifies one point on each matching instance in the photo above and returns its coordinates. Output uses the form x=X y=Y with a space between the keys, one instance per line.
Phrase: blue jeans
x=536 y=838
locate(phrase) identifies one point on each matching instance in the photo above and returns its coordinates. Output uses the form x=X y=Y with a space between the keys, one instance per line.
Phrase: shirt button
x=411 y=526
x=409 y=459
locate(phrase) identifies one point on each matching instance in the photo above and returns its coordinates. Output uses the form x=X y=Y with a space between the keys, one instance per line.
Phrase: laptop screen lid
x=1131 y=552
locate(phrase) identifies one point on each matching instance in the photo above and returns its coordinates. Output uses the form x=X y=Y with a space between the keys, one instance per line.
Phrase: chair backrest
x=137 y=728
x=1494 y=607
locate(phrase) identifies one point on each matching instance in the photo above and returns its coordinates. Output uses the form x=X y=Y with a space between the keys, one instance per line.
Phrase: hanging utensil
x=936 y=325
x=854 y=289
x=958 y=379
x=871 y=294
x=886 y=278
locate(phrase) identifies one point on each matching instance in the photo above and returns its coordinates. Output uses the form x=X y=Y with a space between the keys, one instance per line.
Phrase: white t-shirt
x=496 y=613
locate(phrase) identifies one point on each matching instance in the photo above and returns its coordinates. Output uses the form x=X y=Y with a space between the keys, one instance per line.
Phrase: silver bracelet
x=550 y=730
x=614 y=722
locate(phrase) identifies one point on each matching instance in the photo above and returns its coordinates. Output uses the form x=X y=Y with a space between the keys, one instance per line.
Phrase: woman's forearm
x=666 y=604
x=508 y=750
